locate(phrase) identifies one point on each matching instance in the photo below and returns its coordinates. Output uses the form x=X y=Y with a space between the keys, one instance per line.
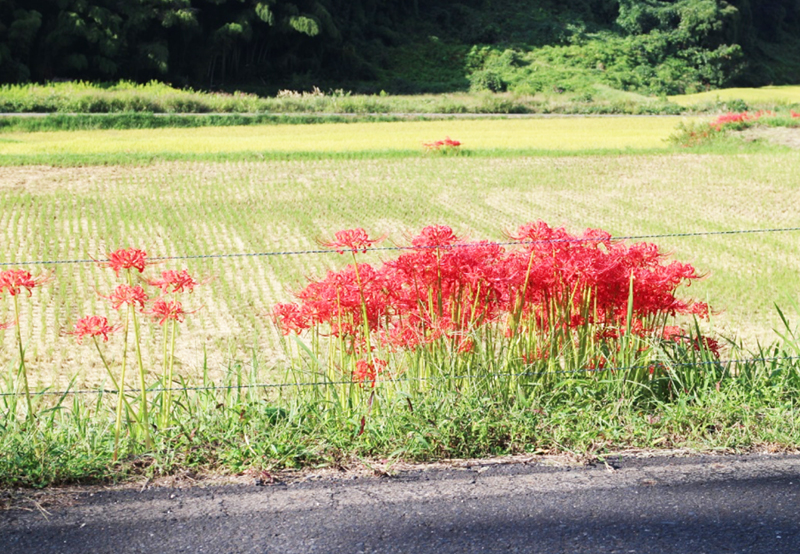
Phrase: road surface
x=696 y=504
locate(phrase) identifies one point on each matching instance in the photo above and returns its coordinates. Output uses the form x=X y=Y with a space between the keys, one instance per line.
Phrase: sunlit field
x=783 y=95
x=218 y=209
x=570 y=134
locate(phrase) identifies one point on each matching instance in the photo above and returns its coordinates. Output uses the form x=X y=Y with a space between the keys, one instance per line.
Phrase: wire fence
x=246 y=386
x=406 y=247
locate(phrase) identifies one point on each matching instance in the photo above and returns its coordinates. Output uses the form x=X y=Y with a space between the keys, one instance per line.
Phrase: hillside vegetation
x=406 y=46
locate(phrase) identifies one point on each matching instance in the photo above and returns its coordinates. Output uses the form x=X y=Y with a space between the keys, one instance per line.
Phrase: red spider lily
x=290 y=318
x=441 y=144
x=178 y=280
x=369 y=370
x=794 y=114
x=435 y=235
x=93 y=326
x=164 y=310
x=128 y=295
x=676 y=334
x=7 y=325
x=354 y=240
x=14 y=280
x=126 y=258
x=732 y=118
x=466 y=345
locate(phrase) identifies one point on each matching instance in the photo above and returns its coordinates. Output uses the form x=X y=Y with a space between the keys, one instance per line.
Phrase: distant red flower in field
x=14 y=280
x=93 y=326
x=128 y=295
x=733 y=117
x=354 y=240
x=447 y=143
x=7 y=324
x=126 y=258
x=178 y=280
x=794 y=114
x=164 y=310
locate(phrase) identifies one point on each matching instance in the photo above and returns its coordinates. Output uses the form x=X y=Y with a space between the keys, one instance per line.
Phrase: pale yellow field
x=558 y=134
x=764 y=95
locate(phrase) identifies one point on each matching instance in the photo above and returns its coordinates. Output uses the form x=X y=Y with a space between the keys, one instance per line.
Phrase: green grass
x=125 y=97
x=238 y=430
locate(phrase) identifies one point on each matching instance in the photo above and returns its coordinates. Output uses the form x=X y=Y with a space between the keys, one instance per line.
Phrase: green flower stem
x=122 y=380
x=167 y=416
x=22 y=370
x=120 y=394
x=142 y=374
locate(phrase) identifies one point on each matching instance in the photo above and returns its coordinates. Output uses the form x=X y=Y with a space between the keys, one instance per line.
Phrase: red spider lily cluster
x=446 y=144
x=794 y=114
x=738 y=117
x=171 y=281
x=446 y=288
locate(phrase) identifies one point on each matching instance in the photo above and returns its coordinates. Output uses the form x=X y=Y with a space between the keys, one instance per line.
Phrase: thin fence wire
x=653 y=365
x=403 y=248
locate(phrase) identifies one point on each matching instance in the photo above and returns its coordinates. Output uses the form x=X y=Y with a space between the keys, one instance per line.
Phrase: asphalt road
x=700 y=504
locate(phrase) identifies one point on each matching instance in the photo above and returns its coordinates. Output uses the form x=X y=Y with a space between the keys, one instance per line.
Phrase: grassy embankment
x=76 y=106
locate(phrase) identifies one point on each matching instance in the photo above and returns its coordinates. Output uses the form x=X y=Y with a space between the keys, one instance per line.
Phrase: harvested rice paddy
x=230 y=210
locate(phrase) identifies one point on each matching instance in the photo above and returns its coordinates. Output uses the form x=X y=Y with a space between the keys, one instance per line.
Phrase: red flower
x=7 y=324
x=126 y=294
x=445 y=144
x=290 y=318
x=126 y=258
x=93 y=326
x=435 y=235
x=164 y=310
x=794 y=114
x=14 y=280
x=369 y=370
x=351 y=239
x=178 y=280
x=732 y=117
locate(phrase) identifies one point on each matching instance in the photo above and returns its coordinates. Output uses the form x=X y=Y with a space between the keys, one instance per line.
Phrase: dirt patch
x=784 y=136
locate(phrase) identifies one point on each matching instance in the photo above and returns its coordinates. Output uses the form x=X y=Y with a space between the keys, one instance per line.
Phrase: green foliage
x=650 y=46
x=667 y=48
x=305 y=25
